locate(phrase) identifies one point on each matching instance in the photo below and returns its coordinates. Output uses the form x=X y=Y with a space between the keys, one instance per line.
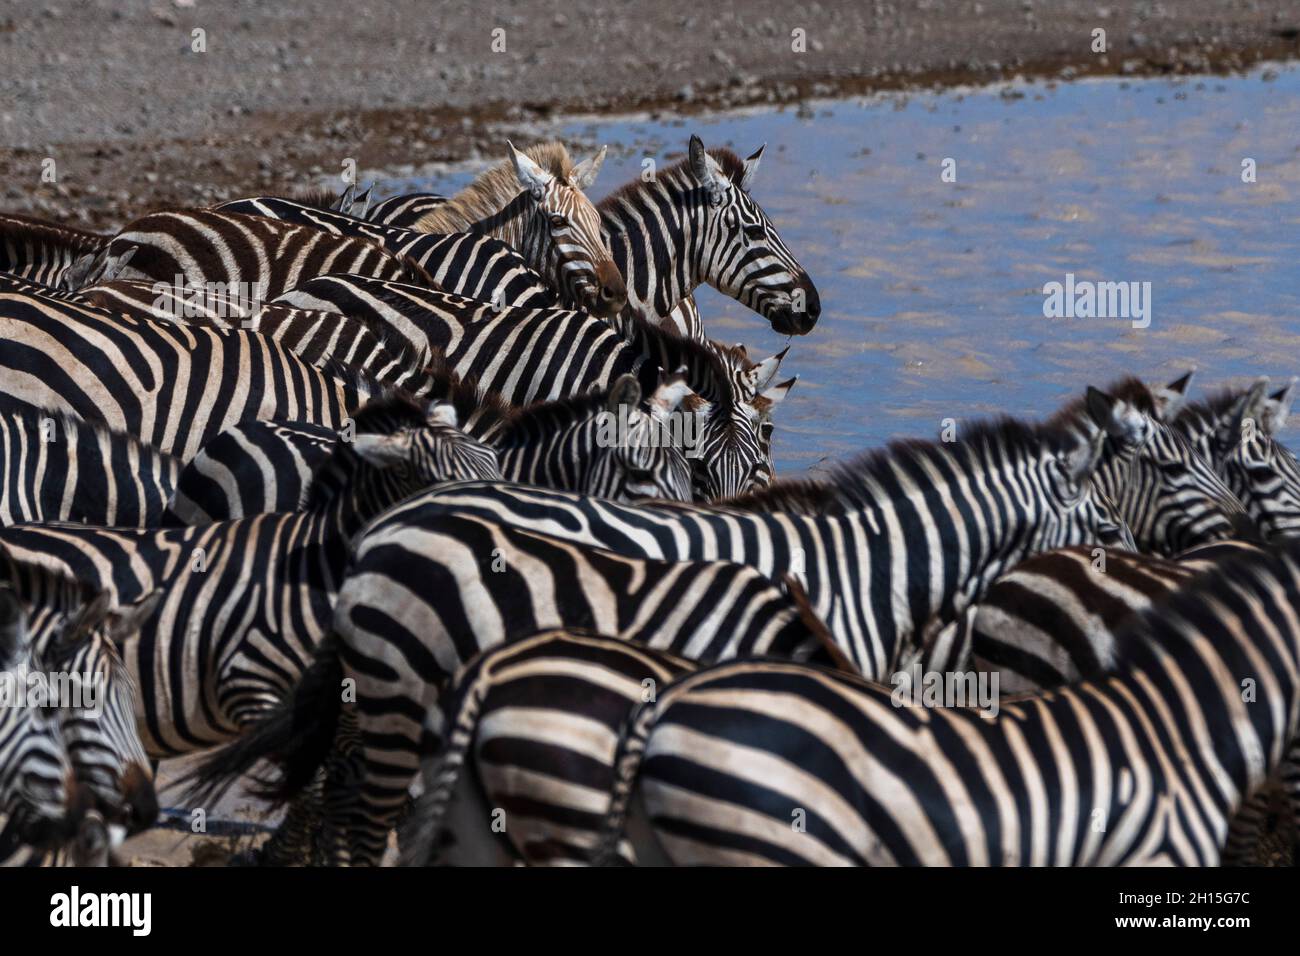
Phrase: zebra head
x=425 y=449
x=1170 y=496
x=35 y=772
x=1259 y=469
x=100 y=731
x=734 y=450
x=739 y=251
x=563 y=235
x=646 y=458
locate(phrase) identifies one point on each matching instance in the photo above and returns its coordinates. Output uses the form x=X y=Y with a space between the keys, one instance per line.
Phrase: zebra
x=551 y=222
x=404 y=211
x=321 y=338
x=475 y=265
x=695 y=222
x=43 y=251
x=701 y=608
x=255 y=467
x=535 y=722
x=56 y=467
x=73 y=630
x=1236 y=431
x=204 y=249
x=244 y=602
x=252 y=467
x=883 y=545
x=530 y=355
x=1170 y=496
x=780 y=763
x=173 y=387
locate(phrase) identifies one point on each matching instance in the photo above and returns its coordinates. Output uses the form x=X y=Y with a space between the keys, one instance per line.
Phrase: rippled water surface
x=932 y=292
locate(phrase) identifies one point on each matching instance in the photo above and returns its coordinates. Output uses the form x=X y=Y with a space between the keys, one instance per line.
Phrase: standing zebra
x=261 y=257
x=243 y=603
x=56 y=467
x=470 y=264
x=767 y=762
x=551 y=222
x=705 y=609
x=43 y=251
x=537 y=354
x=173 y=387
x=693 y=223
x=886 y=543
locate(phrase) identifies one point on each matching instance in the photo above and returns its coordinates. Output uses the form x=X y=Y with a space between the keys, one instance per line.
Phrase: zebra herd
x=448 y=512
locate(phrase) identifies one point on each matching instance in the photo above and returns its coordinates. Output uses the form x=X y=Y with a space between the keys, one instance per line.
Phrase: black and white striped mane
x=844 y=488
x=733 y=167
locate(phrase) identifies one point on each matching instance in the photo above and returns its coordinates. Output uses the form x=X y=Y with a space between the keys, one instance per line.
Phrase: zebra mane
x=12 y=405
x=22 y=229
x=318 y=197
x=391 y=412
x=37 y=583
x=479 y=410
x=846 y=485
x=733 y=167
x=553 y=416
x=1129 y=389
x=493 y=190
x=1216 y=404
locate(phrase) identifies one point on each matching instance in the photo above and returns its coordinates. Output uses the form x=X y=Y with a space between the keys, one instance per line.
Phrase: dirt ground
x=135 y=116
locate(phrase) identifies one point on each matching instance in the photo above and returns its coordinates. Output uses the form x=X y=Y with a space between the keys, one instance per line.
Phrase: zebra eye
x=558 y=221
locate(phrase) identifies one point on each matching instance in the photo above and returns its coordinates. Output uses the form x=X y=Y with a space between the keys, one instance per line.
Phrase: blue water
x=932 y=291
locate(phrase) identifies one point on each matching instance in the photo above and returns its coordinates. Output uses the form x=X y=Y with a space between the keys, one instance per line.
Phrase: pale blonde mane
x=493 y=190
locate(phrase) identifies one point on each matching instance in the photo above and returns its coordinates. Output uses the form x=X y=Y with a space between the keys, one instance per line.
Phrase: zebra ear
x=1277 y=408
x=1115 y=417
x=93 y=614
x=1171 y=399
x=13 y=627
x=751 y=167
x=1079 y=459
x=626 y=391
x=442 y=413
x=124 y=621
x=706 y=171
x=777 y=393
x=585 y=173
x=1253 y=404
x=763 y=372
x=382 y=451
x=531 y=176
x=669 y=395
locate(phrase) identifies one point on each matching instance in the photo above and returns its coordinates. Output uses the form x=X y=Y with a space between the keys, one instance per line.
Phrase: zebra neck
x=655 y=251
x=516 y=226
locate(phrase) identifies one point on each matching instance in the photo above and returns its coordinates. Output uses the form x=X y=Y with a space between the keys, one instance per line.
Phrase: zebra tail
x=421 y=835
x=627 y=768
x=296 y=738
x=817 y=627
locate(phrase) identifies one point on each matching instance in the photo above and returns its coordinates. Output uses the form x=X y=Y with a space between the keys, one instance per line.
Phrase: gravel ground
x=134 y=118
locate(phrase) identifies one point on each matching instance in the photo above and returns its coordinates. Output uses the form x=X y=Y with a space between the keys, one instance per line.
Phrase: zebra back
x=405 y=211
x=56 y=467
x=173 y=387
x=43 y=251
x=261 y=257
x=478 y=266
x=725 y=759
x=320 y=338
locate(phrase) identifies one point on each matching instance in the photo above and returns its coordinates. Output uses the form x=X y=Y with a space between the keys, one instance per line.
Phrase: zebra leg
x=293 y=842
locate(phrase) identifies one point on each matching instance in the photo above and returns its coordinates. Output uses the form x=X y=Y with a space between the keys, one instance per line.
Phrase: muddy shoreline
x=135 y=119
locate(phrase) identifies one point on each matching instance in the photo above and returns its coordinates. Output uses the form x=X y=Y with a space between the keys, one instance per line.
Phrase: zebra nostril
x=607 y=293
